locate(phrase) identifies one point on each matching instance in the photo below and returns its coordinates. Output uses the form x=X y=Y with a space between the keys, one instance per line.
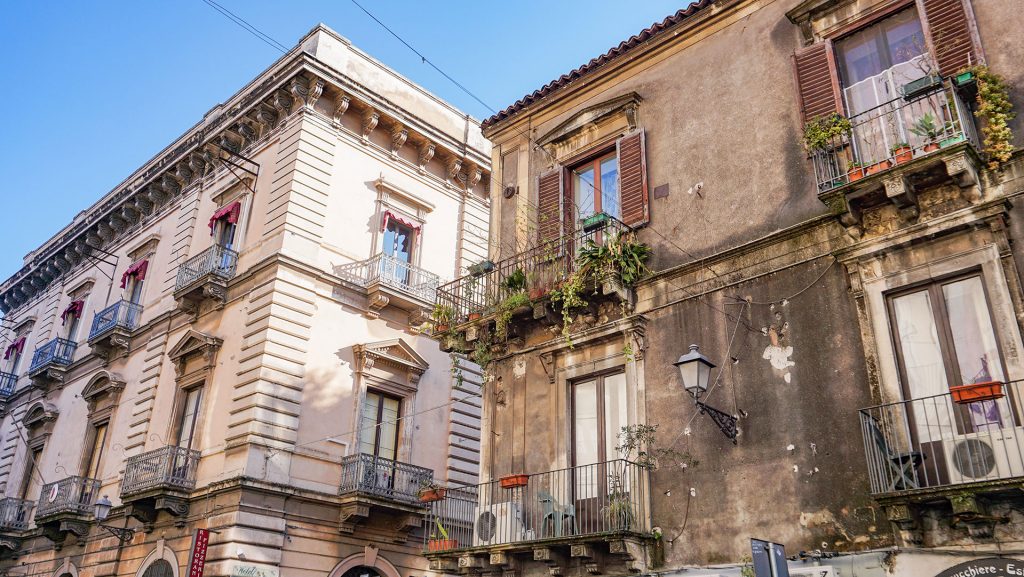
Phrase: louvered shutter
x=633 y=179
x=949 y=28
x=549 y=205
x=817 y=81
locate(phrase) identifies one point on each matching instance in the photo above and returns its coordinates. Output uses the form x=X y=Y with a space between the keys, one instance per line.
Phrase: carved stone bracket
x=427 y=150
x=963 y=169
x=398 y=137
x=547 y=362
x=470 y=563
x=444 y=565
x=405 y=523
x=901 y=193
x=141 y=511
x=454 y=168
x=341 y=104
x=370 y=120
x=10 y=543
x=176 y=506
x=351 y=515
x=903 y=517
x=631 y=552
x=375 y=303
x=968 y=512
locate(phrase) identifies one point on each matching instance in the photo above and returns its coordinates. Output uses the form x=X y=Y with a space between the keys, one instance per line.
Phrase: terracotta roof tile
x=612 y=54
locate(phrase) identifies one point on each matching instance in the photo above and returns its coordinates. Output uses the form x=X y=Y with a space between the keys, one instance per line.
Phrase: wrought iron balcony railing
x=394 y=273
x=595 y=500
x=383 y=478
x=871 y=145
x=8 y=382
x=217 y=261
x=72 y=495
x=14 y=514
x=540 y=269
x=972 y=434
x=56 y=352
x=122 y=314
x=170 y=468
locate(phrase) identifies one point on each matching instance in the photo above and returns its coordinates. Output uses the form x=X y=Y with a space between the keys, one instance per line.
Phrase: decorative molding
x=398 y=137
x=426 y=153
x=393 y=353
x=341 y=104
x=370 y=119
x=194 y=344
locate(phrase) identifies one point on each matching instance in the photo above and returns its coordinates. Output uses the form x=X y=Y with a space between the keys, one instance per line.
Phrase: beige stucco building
x=229 y=340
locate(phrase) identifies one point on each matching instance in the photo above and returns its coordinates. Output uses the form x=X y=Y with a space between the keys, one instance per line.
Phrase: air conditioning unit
x=498 y=523
x=985 y=455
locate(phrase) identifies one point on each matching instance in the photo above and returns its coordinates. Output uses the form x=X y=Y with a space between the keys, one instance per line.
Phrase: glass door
x=398 y=244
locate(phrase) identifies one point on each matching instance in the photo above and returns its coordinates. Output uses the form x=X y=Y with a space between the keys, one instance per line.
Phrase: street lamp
x=695 y=370
x=103 y=506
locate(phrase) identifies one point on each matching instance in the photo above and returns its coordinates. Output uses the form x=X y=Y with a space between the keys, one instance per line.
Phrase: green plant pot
x=594 y=222
x=952 y=140
x=921 y=86
x=964 y=78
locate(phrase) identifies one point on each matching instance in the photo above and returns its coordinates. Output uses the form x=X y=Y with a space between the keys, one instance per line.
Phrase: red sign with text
x=197 y=563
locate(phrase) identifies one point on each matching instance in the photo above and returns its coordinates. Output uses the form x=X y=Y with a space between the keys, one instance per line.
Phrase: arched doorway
x=159 y=568
x=362 y=571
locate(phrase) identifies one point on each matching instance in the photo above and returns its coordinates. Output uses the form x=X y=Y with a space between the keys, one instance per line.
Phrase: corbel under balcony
x=159 y=480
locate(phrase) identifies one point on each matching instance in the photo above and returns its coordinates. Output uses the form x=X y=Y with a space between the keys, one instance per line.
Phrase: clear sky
x=95 y=89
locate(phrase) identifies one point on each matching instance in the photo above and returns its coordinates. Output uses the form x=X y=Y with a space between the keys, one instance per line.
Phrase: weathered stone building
x=862 y=301
x=227 y=340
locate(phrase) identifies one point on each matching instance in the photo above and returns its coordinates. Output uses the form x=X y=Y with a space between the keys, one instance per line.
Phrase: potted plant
x=965 y=77
x=481 y=268
x=515 y=281
x=442 y=543
x=824 y=132
x=618 y=510
x=927 y=128
x=877 y=167
x=855 y=171
x=442 y=317
x=921 y=86
x=513 y=481
x=594 y=222
x=974 y=392
x=901 y=152
x=430 y=491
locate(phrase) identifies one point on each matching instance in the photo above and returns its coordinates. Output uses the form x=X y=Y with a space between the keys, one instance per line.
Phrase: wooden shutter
x=549 y=205
x=633 y=179
x=950 y=30
x=817 y=81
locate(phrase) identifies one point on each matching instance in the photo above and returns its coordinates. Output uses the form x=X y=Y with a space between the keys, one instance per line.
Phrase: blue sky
x=94 y=89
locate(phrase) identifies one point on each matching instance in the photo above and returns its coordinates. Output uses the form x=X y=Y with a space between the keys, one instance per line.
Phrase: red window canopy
x=136 y=271
x=228 y=214
x=388 y=215
x=74 y=310
x=15 y=348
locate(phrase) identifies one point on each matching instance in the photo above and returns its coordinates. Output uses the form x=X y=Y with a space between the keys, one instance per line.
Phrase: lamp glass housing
x=695 y=370
x=103 y=508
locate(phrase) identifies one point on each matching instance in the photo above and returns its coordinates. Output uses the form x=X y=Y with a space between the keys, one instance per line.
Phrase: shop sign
x=241 y=570
x=991 y=567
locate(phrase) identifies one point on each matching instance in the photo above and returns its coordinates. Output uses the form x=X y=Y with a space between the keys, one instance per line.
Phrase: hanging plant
x=995 y=108
x=820 y=133
x=505 y=310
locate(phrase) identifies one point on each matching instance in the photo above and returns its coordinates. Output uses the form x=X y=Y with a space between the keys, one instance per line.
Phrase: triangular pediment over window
x=195 y=351
x=394 y=356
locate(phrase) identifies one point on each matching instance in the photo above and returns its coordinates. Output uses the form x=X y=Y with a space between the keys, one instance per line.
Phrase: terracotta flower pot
x=513 y=481
x=537 y=294
x=879 y=167
x=903 y=154
x=474 y=316
x=442 y=545
x=431 y=495
x=931 y=147
x=855 y=174
x=974 y=392
x=440 y=328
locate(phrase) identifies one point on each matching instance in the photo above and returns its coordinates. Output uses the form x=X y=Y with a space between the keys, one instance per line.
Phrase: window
x=30 y=482
x=159 y=568
x=13 y=354
x=867 y=53
x=944 y=336
x=595 y=186
x=134 y=290
x=599 y=413
x=72 y=319
x=378 y=425
x=225 y=234
x=398 y=240
x=95 y=455
x=189 y=418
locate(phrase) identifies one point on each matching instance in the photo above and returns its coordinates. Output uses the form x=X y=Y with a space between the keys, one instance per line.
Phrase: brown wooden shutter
x=549 y=205
x=633 y=179
x=817 y=81
x=949 y=27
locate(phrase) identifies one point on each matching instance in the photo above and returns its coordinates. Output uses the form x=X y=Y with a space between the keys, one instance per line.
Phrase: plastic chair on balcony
x=901 y=466
x=557 y=515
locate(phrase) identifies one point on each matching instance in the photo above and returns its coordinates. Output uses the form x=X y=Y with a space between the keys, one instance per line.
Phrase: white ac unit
x=985 y=455
x=498 y=523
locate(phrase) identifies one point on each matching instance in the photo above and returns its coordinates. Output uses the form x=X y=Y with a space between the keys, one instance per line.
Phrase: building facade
x=229 y=340
x=825 y=196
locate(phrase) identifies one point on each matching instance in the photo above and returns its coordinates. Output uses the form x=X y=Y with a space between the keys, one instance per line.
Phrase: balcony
x=159 y=480
x=947 y=448
x=50 y=361
x=868 y=165
x=66 y=506
x=390 y=487
x=391 y=281
x=597 y=514
x=205 y=276
x=14 y=514
x=8 y=382
x=112 y=327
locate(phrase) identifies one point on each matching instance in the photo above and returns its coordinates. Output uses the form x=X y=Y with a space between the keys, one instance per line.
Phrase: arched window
x=362 y=571
x=159 y=568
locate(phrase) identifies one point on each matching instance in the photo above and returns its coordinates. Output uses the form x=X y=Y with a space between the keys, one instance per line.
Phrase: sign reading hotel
x=991 y=567
x=244 y=570
x=197 y=560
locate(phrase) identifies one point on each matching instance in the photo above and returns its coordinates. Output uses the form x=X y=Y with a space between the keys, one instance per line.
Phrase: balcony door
x=398 y=245
x=378 y=437
x=599 y=412
x=186 y=430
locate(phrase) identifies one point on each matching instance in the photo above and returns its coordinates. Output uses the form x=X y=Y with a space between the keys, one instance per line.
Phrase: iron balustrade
x=169 y=467
x=8 y=382
x=868 y=148
x=936 y=441
x=542 y=269
x=72 y=495
x=122 y=314
x=217 y=262
x=394 y=273
x=55 y=352
x=383 y=478
x=594 y=500
x=14 y=514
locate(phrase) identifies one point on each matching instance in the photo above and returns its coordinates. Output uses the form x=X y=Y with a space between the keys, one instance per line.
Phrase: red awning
x=16 y=347
x=74 y=310
x=388 y=215
x=137 y=270
x=228 y=213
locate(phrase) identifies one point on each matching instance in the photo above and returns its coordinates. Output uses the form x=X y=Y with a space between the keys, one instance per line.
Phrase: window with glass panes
x=378 y=427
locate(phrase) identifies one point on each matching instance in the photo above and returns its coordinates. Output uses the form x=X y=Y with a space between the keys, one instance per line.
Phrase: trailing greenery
x=505 y=309
x=481 y=354
x=995 y=107
x=442 y=315
x=515 y=282
x=820 y=132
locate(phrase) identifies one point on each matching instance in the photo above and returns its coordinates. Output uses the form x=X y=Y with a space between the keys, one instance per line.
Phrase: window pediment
x=39 y=413
x=103 y=382
x=195 y=352
x=393 y=356
x=592 y=125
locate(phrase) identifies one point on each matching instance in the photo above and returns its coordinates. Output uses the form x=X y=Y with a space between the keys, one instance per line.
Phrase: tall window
x=595 y=186
x=30 y=482
x=133 y=292
x=189 y=418
x=14 y=355
x=95 y=457
x=398 y=244
x=868 y=53
x=225 y=233
x=378 y=426
x=944 y=336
